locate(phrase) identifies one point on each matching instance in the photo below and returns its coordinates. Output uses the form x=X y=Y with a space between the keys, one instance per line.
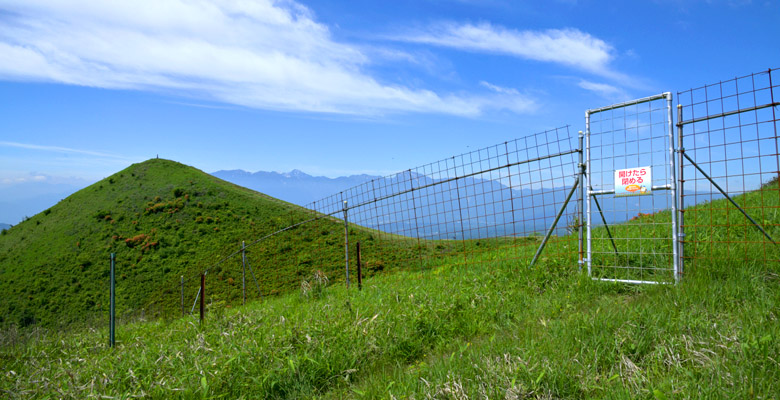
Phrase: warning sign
x=633 y=181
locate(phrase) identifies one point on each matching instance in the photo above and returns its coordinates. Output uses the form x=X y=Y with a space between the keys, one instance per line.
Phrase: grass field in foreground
x=497 y=330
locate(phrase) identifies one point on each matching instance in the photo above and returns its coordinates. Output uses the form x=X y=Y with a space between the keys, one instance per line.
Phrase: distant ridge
x=4 y=226
x=296 y=186
x=494 y=208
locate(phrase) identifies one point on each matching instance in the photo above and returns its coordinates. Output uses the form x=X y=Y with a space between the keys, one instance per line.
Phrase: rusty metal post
x=359 y=269
x=202 y=295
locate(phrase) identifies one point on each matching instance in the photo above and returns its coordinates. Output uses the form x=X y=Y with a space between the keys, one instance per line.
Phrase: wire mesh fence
x=493 y=205
x=502 y=198
x=729 y=151
x=499 y=205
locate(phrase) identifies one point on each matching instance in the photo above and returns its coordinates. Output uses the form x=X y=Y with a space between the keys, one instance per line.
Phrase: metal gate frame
x=671 y=186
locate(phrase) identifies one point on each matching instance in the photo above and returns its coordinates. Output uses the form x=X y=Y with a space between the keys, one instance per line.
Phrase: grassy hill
x=163 y=220
x=497 y=330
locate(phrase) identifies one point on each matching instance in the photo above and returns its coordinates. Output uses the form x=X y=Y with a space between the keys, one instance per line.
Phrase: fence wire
x=490 y=204
x=729 y=181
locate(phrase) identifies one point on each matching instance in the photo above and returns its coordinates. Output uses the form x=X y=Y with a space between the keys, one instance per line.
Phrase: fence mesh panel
x=729 y=132
x=487 y=205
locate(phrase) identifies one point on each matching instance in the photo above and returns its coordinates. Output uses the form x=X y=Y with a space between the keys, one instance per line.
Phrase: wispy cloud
x=570 y=47
x=604 y=90
x=23 y=179
x=56 y=164
x=261 y=54
x=499 y=89
x=58 y=149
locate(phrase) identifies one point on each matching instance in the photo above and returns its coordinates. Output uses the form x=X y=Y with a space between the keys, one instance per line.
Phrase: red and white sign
x=633 y=181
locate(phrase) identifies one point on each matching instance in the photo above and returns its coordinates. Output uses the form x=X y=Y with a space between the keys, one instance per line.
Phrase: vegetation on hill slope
x=161 y=218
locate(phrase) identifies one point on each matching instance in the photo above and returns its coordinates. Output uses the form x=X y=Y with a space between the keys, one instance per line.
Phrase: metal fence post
x=681 y=207
x=346 y=240
x=460 y=212
x=112 y=304
x=673 y=187
x=416 y=224
x=581 y=216
x=512 y=189
x=588 y=189
x=243 y=269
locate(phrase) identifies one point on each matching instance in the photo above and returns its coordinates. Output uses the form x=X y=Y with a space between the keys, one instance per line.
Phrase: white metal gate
x=631 y=201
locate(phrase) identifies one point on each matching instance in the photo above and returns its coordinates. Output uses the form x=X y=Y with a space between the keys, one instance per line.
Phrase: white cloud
x=569 y=47
x=261 y=54
x=604 y=90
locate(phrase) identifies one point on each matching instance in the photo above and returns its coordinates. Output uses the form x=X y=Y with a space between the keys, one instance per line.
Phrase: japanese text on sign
x=633 y=181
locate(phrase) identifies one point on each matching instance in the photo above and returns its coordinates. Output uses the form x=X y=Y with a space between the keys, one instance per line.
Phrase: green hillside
x=493 y=330
x=165 y=220
x=161 y=218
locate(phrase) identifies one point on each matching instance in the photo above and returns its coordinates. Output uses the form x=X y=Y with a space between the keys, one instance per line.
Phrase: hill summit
x=163 y=219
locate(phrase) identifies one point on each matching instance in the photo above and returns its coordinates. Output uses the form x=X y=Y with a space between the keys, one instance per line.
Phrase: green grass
x=497 y=331
x=483 y=325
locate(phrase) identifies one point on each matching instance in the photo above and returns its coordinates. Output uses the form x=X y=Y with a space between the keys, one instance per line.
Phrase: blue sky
x=337 y=87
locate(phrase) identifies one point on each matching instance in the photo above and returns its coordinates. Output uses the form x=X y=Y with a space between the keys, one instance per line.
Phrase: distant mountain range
x=465 y=209
x=296 y=186
x=4 y=226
